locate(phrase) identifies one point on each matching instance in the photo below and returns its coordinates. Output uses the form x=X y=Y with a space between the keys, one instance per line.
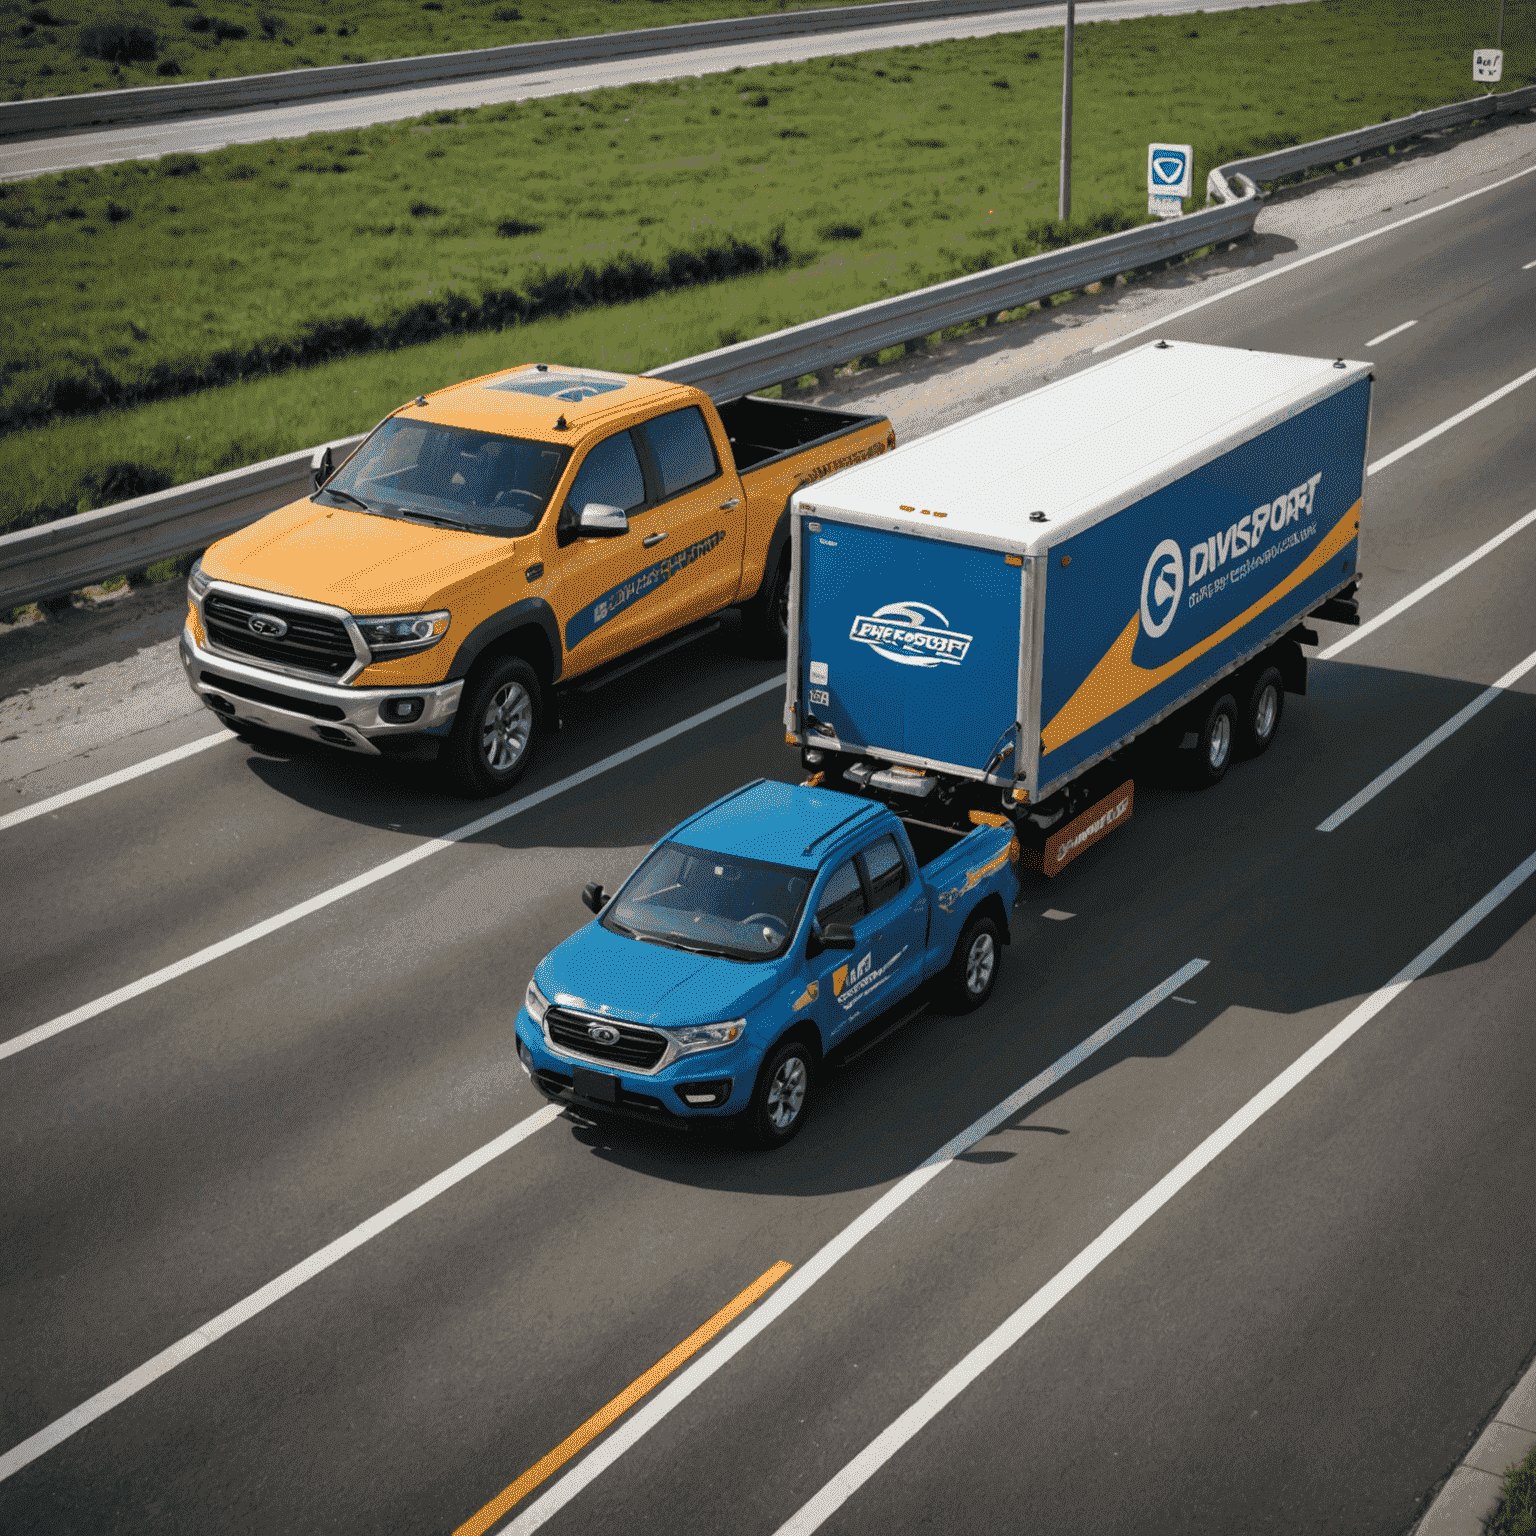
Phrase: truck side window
x=682 y=449
x=842 y=900
x=886 y=869
x=609 y=475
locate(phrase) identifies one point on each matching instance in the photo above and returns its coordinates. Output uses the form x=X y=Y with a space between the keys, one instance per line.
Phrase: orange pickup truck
x=493 y=541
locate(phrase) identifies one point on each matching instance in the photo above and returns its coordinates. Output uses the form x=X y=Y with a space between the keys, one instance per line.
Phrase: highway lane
x=20 y=159
x=319 y=1089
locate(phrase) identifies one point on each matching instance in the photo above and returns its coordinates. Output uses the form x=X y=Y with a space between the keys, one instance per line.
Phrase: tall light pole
x=1064 y=203
x=1501 y=24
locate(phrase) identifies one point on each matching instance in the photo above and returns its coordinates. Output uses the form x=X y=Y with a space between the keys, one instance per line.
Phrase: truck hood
x=642 y=983
x=362 y=563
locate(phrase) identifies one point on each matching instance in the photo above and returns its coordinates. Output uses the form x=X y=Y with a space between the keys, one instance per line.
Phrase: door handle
x=731 y=505
x=652 y=538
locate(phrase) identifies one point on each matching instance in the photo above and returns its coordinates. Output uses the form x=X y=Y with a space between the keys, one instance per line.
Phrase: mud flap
x=1077 y=836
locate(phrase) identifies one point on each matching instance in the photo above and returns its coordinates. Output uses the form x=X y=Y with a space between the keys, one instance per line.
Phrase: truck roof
x=777 y=823
x=1081 y=449
x=527 y=401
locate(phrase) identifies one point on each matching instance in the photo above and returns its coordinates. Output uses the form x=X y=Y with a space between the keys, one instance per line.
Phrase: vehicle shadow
x=1292 y=922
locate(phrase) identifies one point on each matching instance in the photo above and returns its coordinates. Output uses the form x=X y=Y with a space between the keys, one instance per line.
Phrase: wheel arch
x=527 y=629
x=990 y=906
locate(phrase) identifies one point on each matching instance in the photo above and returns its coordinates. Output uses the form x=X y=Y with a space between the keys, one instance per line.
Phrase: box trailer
x=1010 y=602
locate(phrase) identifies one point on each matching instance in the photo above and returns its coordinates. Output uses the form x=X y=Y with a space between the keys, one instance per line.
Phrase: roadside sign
x=1488 y=65
x=1164 y=207
x=1170 y=169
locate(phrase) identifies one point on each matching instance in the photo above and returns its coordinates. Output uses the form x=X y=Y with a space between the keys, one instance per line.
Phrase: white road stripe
x=995 y=1345
x=243 y=1311
x=1332 y=250
x=559 y=1494
x=1425 y=747
x=1452 y=421
x=1397 y=330
x=1527 y=267
x=373 y=876
x=112 y=780
x=1420 y=593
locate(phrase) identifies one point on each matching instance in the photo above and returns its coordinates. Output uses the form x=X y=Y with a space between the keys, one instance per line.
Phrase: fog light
x=525 y=1060
x=708 y=1095
x=402 y=711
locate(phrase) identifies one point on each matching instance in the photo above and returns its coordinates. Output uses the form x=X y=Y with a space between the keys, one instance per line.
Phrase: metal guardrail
x=62 y=556
x=152 y=103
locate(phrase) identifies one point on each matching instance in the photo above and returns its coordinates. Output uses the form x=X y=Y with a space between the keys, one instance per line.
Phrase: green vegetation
x=1517 y=1514
x=883 y=171
x=67 y=47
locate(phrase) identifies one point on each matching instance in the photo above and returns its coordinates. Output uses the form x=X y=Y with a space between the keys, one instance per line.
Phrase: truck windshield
x=476 y=480
x=710 y=903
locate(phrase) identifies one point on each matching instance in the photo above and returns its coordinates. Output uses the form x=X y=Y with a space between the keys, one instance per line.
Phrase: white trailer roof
x=1080 y=449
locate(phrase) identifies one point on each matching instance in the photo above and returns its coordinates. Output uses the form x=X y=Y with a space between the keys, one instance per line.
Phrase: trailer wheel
x=1213 y=743
x=1261 y=716
x=782 y=1094
x=972 y=972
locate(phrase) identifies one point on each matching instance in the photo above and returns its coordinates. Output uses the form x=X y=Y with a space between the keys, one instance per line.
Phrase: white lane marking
x=112 y=780
x=1397 y=330
x=1425 y=747
x=1003 y=1338
x=1191 y=1000
x=1527 y=267
x=1420 y=593
x=258 y=1301
x=373 y=876
x=1452 y=421
x=1332 y=250
x=559 y=1494
x=1057 y=916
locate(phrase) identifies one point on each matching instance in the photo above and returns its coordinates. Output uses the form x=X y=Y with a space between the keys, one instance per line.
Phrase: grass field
x=886 y=171
x=66 y=47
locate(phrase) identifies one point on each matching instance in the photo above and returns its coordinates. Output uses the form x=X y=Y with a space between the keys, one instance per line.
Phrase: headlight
x=197 y=583
x=707 y=1037
x=536 y=1004
x=404 y=633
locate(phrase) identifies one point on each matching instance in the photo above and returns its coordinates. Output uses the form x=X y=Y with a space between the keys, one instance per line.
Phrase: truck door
x=888 y=923
x=600 y=597
x=692 y=535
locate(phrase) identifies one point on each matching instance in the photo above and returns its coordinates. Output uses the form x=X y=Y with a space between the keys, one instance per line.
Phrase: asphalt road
x=20 y=159
x=1302 y=1338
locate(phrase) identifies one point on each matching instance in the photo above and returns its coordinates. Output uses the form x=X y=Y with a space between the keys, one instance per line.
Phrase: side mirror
x=599 y=521
x=321 y=467
x=837 y=936
x=593 y=897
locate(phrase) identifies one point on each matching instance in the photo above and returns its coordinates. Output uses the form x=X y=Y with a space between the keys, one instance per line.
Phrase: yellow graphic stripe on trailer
x=1117 y=681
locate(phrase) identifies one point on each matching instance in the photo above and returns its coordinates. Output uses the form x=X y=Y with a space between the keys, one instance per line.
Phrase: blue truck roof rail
x=715 y=805
x=871 y=806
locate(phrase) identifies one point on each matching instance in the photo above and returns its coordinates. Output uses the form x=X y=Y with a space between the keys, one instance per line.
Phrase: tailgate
x=907 y=647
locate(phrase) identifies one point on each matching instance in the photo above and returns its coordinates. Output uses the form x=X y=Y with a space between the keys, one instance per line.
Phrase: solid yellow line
x=481 y=1522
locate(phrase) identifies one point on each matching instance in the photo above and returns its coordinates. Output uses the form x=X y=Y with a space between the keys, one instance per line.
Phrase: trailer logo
x=912 y=635
x=1162 y=594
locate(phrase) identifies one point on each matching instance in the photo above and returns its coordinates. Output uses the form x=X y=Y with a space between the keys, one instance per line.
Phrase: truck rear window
x=477 y=480
x=710 y=903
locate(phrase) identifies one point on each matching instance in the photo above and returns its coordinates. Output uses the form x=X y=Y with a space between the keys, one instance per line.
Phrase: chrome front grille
x=314 y=642
x=636 y=1046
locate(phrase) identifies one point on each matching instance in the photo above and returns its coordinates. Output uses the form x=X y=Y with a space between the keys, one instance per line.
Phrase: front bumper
x=342 y=717
x=657 y=1096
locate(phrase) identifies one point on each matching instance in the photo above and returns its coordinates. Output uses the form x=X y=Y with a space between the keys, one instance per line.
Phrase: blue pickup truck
x=755 y=938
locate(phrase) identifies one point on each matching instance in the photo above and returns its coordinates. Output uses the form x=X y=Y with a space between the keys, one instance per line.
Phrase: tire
x=1260 y=719
x=972 y=971
x=496 y=730
x=1215 y=738
x=765 y=618
x=782 y=1097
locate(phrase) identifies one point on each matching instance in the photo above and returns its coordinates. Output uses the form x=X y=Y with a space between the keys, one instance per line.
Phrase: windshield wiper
x=430 y=517
x=357 y=501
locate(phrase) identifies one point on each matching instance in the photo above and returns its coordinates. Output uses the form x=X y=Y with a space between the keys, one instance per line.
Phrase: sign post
x=1170 y=176
x=1064 y=200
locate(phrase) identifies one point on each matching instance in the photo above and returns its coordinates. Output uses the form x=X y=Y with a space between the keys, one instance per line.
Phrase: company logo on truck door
x=617 y=599
x=1163 y=581
x=912 y=635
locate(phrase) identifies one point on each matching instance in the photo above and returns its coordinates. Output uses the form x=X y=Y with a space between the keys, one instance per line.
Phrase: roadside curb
x=1473 y=1491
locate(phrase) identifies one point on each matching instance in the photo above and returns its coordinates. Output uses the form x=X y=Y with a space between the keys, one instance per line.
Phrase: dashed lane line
x=1397 y=330
x=395 y=866
x=243 y=1311
x=112 y=780
x=550 y=1503
x=1451 y=421
x=880 y=1450
x=1408 y=759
